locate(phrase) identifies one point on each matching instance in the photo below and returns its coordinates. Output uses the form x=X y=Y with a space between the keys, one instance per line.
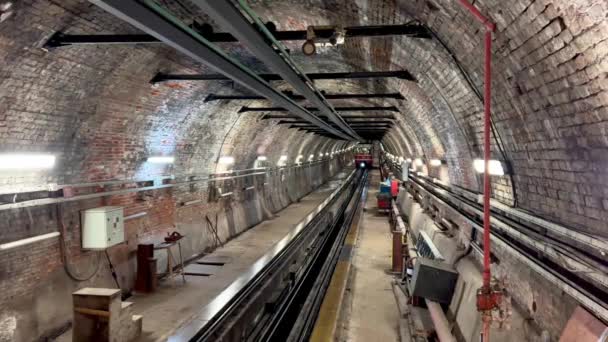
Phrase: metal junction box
x=434 y=280
x=102 y=227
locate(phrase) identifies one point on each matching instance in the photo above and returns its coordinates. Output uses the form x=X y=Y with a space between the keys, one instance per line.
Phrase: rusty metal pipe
x=487 y=98
x=442 y=326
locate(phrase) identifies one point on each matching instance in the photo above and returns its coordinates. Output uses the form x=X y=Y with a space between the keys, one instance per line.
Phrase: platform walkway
x=174 y=303
x=371 y=313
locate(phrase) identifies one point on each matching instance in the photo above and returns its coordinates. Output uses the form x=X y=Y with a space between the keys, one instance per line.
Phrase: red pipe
x=489 y=25
x=486 y=157
x=486 y=295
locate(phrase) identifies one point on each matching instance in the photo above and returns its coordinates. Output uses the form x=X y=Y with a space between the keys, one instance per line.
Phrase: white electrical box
x=102 y=227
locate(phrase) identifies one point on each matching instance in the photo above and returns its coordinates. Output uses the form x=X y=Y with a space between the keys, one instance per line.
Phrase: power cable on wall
x=497 y=137
x=226 y=136
x=64 y=251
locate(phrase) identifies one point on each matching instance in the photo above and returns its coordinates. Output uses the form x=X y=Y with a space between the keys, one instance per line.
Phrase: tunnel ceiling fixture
x=397 y=96
x=155 y=21
x=246 y=109
x=255 y=36
x=399 y=74
x=60 y=39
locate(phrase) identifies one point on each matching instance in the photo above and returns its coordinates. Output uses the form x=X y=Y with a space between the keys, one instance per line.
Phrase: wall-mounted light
x=5 y=10
x=299 y=159
x=161 y=160
x=418 y=162
x=320 y=155
x=282 y=160
x=495 y=167
x=226 y=160
x=26 y=161
x=260 y=162
x=436 y=162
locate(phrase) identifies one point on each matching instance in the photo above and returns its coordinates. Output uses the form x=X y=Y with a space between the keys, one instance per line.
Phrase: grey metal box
x=434 y=280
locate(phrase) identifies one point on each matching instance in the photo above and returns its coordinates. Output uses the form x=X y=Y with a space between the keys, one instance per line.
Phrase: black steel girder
x=60 y=39
x=246 y=109
x=295 y=122
x=383 y=125
x=397 y=96
x=358 y=130
x=152 y=20
x=400 y=74
x=230 y=16
x=344 y=116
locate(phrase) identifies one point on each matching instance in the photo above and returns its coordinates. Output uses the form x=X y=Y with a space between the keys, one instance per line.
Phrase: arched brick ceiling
x=94 y=107
x=549 y=81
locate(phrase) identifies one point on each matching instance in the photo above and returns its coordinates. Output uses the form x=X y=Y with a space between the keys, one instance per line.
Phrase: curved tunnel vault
x=95 y=109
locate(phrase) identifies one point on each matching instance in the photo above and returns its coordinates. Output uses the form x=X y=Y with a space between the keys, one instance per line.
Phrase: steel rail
x=582 y=290
x=305 y=325
x=232 y=20
x=529 y=237
x=318 y=275
x=209 y=321
x=152 y=19
x=520 y=217
x=552 y=272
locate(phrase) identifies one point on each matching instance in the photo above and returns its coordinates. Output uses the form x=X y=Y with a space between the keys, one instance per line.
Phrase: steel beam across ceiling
x=400 y=74
x=231 y=19
x=60 y=39
x=246 y=109
x=380 y=129
x=351 y=122
x=345 y=117
x=397 y=96
x=152 y=20
x=354 y=126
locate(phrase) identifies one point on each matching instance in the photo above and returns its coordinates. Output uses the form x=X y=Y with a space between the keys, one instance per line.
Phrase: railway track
x=574 y=261
x=279 y=297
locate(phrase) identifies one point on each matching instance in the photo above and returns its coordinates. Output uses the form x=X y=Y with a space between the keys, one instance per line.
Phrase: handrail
x=47 y=201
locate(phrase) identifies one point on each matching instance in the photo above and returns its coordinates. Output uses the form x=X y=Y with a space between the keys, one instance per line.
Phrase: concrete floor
x=174 y=303
x=373 y=314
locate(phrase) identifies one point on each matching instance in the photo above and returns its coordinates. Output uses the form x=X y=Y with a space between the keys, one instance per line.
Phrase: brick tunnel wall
x=549 y=84
x=36 y=290
x=94 y=108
